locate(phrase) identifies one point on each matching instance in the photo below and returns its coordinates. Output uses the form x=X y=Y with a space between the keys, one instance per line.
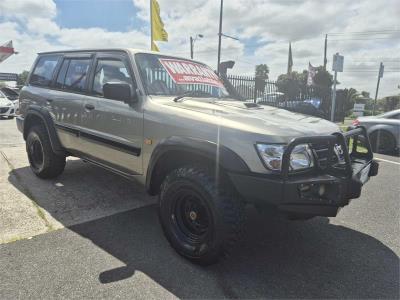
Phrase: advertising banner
x=187 y=72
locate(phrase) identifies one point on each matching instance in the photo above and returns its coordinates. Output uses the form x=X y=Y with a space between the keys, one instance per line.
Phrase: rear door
x=68 y=94
x=113 y=129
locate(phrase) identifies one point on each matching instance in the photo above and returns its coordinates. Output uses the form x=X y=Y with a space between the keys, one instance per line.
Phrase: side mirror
x=120 y=91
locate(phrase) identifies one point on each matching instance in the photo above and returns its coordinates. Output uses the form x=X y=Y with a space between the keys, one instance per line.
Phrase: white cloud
x=24 y=9
x=266 y=27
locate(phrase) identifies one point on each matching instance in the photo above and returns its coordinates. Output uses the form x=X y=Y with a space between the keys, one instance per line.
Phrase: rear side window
x=76 y=76
x=61 y=74
x=44 y=69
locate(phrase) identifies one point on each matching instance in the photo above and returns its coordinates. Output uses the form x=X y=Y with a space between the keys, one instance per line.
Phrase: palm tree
x=350 y=97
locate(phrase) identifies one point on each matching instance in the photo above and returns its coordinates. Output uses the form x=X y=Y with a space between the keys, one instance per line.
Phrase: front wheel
x=200 y=220
x=43 y=161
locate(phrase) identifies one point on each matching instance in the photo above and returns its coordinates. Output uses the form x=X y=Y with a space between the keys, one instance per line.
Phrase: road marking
x=389 y=161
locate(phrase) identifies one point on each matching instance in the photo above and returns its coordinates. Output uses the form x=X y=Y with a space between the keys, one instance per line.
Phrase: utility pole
x=220 y=35
x=326 y=47
x=151 y=25
x=333 y=98
x=380 y=75
x=337 y=66
x=192 y=40
x=191 y=47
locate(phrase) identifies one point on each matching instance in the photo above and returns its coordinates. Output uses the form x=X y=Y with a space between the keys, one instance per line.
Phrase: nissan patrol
x=171 y=124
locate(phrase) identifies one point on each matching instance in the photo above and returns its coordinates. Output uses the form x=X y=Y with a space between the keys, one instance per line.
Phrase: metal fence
x=309 y=100
x=306 y=99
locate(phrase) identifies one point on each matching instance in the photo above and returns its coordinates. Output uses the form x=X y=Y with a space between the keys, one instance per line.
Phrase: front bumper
x=7 y=111
x=320 y=192
x=20 y=123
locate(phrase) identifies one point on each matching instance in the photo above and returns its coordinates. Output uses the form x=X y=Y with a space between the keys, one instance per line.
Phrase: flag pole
x=151 y=26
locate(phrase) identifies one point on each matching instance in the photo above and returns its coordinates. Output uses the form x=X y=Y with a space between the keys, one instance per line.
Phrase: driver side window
x=109 y=70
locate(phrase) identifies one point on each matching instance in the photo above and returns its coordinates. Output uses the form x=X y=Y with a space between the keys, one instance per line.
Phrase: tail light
x=356 y=122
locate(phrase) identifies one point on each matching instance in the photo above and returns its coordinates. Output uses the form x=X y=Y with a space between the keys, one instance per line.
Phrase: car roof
x=391 y=113
x=131 y=50
x=126 y=50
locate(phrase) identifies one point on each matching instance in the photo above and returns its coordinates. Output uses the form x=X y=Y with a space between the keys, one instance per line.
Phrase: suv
x=171 y=124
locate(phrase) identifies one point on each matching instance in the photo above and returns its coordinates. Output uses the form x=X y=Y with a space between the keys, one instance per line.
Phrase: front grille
x=3 y=110
x=321 y=152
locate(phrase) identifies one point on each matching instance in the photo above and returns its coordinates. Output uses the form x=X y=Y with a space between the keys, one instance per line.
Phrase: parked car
x=383 y=131
x=311 y=107
x=7 y=108
x=169 y=123
x=13 y=95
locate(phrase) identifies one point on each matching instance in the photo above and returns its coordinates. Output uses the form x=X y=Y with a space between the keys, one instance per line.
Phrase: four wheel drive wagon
x=171 y=124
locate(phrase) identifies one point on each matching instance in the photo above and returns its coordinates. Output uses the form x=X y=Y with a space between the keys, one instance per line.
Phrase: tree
x=390 y=103
x=262 y=71
x=350 y=96
x=22 y=77
x=290 y=84
x=323 y=79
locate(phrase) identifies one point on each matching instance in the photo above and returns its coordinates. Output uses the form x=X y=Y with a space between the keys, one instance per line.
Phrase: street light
x=192 y=40
x=220 y=35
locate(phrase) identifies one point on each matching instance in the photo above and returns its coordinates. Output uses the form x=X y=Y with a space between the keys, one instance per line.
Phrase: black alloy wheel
x=201 y=219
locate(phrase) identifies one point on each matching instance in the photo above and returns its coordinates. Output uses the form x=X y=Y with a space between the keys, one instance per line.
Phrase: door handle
x=89 y=106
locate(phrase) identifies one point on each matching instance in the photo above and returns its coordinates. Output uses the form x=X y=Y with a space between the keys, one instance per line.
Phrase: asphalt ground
x=92 y=234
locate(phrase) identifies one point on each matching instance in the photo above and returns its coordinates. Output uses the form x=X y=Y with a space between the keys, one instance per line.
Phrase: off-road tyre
x=220 y=205
x=43 y=161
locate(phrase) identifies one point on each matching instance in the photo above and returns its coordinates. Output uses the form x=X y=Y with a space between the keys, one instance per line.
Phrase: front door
x=113 y=129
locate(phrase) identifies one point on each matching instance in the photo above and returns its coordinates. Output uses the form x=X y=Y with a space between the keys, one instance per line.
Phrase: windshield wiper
x=191 y=93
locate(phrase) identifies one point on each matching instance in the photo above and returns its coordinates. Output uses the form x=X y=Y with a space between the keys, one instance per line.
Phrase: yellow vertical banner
x=158 y=32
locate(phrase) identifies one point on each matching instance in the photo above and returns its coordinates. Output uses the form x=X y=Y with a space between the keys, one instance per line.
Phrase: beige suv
x=171 y=124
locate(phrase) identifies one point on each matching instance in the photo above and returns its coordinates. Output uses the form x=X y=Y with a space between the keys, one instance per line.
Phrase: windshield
x=170 y=76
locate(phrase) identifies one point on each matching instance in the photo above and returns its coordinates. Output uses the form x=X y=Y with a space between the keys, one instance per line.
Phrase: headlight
x=9 y=104
x=301 y=157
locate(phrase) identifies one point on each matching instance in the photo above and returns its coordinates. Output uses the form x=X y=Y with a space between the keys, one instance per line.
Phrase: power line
x=363 y=39
x=364 y=32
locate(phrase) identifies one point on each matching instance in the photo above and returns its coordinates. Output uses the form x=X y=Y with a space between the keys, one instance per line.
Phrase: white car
x=7 y=107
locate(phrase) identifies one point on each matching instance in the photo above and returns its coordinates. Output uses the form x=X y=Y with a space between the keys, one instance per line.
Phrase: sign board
x=381 y=69
x=337 y=64
x=6 y=51
x=358 y=109
x=188 y=72
x=8 y=76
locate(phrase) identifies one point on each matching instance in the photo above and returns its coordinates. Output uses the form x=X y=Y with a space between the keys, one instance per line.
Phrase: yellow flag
x=158 y=32
x=154 y=47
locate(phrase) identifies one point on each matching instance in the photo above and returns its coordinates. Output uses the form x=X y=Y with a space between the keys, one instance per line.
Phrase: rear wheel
x=43 y=161
x=200 y=220
x=382 y=141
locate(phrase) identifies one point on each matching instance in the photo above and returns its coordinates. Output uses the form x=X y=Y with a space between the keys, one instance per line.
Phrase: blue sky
x=117 y=15
x=264 y=29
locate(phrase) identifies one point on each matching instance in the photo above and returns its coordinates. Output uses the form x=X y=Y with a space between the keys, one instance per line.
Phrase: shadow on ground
x=277 y=259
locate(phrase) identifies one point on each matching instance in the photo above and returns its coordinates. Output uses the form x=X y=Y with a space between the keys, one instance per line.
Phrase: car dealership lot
x=91 y=233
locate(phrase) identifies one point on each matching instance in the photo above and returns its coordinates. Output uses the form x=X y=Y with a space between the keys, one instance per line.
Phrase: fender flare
x=379 y=127
x=44 y=115
x=228 y=159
